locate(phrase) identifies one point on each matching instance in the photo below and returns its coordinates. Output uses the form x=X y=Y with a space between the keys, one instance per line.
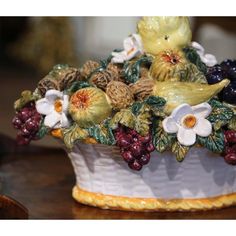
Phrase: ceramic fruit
x=89 y=106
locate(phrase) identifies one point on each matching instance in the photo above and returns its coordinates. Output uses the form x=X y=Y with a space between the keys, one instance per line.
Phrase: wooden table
x=42 y=179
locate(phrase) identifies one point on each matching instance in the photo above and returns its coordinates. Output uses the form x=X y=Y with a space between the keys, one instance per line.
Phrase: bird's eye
x=166 y=37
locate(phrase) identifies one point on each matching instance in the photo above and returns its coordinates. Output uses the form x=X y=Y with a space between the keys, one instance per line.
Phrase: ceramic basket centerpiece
x=150 y=128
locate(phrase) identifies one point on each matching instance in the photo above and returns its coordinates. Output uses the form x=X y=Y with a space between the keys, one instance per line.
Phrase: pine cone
x=67 y=77
x=101 y=79
x=120 y=94
x=116 y=70
x=88 y=68
x=46 y=84
x=142 y=88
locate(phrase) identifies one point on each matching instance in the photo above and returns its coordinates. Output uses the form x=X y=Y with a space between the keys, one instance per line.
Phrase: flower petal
x=52 y=94
x=65 y=103
x=186 y=137
x=44 y=107
x=199 y=48
x=179 y=112
x=128 y=44
x=138 y=42
x=64 y=121
x=132 y=54
x=169 y=125
x=52 y=120
x=202 y=110
x=118 y=57
x=210 y=60
x=203 y=127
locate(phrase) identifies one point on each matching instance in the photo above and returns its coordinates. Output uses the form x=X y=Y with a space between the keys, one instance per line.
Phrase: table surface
x=42 y=179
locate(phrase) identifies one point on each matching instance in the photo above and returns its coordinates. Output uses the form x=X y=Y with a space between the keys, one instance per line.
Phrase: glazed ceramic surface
x=100 y=169
x=157 y=93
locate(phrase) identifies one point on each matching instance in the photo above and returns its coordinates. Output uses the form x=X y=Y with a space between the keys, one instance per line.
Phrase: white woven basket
x=202 y=177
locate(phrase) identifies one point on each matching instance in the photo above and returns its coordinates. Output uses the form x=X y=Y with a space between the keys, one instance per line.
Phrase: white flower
x=188 y=121
x=55 y=107
x=208 y=59
x=132 y=47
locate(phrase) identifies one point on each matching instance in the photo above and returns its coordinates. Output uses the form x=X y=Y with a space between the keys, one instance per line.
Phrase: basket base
x=151 y=204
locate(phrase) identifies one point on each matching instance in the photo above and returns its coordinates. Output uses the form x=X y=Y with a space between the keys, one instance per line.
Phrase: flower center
x=58 y=105
x=189 y=121
x=80 y=99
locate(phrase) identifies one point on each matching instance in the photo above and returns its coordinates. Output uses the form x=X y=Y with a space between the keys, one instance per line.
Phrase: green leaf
x=232 y=107
x=139 y=122
x=232 y=123
x=132 y=68
x=193 y=57
x=191 y=74
x=161 y=140
x=136 y=107
x=159 y=113
x=180 y=151
x=72 y=134
x=214 y=142
x=102 y=133
x=156 y=105
x=142 y=118
x=142 y=123
x=218 y=124
x=155 y=102
x=42 y=131
x=26 y=96
x=104 y=63
x=220 y=115
x=124 y=117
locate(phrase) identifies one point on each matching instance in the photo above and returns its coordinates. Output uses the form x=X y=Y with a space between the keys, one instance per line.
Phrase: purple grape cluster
x=27 y=122
x=226 y=69
x=229 y=66
x=230 y=147
x=134 y=148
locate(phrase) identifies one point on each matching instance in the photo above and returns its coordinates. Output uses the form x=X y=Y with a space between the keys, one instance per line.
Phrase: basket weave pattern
x=100 y=169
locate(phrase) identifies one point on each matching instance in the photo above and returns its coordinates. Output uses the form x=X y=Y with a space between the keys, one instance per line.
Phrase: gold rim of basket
x=151 y=204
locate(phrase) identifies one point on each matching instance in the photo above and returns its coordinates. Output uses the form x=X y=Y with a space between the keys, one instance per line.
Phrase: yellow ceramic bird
x=161 y=33
x=177 y=93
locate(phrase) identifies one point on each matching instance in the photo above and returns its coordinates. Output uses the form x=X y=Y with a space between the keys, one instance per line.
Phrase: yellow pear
x=177 y=93
x=160 y=33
